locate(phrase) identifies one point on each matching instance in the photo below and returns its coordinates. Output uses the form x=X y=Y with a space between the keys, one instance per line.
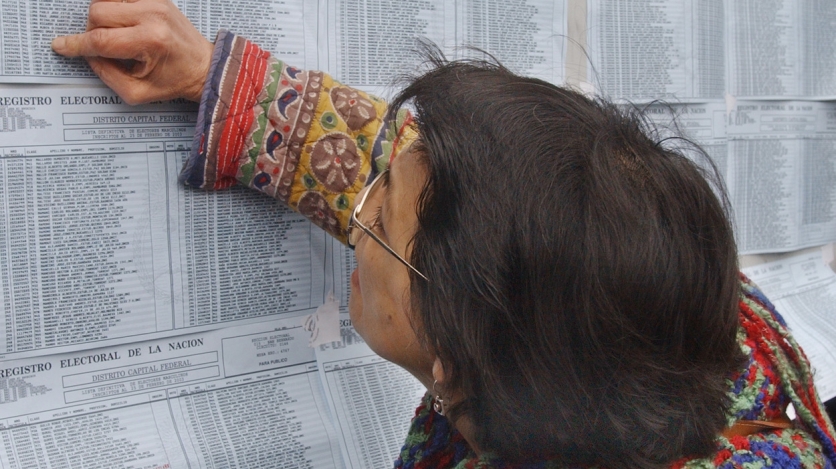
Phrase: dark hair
x=583 y=294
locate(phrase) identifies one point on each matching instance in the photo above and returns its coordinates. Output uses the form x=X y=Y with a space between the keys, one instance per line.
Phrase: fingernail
x=58 y=43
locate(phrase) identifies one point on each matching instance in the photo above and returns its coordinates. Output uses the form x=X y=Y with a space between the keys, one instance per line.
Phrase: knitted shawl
x=777 y=373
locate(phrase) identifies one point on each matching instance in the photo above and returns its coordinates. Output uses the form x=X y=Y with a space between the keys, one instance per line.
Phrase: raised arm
x=296 y=135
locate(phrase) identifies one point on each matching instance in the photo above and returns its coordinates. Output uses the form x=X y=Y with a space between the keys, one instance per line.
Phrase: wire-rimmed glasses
x=354 y=222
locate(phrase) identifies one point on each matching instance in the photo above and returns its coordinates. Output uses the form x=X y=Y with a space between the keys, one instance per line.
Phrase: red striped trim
x=240 y=117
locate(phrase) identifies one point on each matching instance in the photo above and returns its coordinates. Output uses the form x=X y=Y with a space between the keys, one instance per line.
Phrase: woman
x=564 y=286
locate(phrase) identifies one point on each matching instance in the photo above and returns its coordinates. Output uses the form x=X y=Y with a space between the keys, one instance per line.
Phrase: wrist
x=194 y=90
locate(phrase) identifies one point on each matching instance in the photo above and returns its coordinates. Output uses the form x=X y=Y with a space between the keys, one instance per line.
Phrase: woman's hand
x=145 y=50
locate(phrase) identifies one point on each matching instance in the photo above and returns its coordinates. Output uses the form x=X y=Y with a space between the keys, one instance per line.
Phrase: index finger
x=113 y=43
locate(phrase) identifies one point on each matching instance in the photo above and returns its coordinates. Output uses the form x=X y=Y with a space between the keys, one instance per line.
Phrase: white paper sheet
x=781 y=174
x=99 y=243
x=778 y=159
x=647 y=49
x=371 y=44
x=372 y=400
x=783 y=49
x=687 y=50
x=238 y=397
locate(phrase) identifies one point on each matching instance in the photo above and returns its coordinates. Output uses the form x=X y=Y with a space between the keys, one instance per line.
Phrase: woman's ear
x=438 y=371
x=439 y=405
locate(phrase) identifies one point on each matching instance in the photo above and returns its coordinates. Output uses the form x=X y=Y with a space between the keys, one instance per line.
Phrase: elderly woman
x=564 y=286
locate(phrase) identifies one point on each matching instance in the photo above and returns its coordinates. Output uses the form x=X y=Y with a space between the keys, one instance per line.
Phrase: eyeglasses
x=354 y=222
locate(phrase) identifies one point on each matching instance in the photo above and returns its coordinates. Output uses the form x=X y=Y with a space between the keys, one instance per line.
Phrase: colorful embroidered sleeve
x=298 y=136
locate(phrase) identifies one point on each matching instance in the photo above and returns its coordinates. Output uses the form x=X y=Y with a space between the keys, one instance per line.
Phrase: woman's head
x=582 y=293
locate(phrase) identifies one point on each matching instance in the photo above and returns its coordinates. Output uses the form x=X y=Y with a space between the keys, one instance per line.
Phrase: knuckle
x=158 y=37
x=160 y=21
x=160 y=11
x=97 y=38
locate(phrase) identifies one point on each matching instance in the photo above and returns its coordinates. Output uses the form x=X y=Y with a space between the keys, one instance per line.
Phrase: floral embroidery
x=315 y=208
x=355 y=110
x=335 y=162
